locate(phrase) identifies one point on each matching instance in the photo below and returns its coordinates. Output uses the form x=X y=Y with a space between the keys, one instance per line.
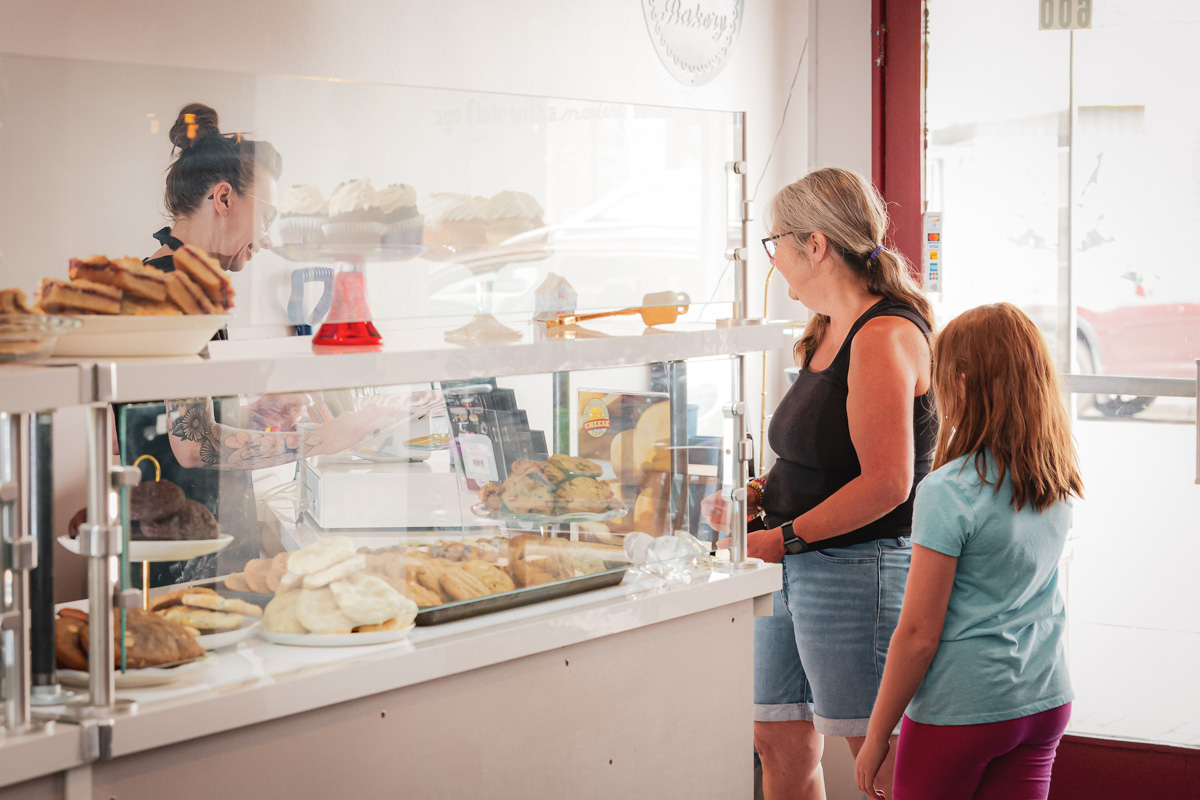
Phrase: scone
x=583 y=495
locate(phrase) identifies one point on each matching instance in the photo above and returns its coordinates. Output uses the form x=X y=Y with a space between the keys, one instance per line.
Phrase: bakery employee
x=220 y=193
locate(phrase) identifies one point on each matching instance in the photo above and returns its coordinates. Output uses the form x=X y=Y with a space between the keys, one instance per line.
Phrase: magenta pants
x=1007 y=760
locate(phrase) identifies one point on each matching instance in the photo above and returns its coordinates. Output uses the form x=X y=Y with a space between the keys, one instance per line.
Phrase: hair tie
x=875 y=253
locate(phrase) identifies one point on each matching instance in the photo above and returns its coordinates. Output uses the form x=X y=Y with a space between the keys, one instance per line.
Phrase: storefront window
x=1069 y=184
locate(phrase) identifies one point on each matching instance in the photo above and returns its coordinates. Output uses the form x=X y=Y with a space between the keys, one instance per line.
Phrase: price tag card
x=1064 y=15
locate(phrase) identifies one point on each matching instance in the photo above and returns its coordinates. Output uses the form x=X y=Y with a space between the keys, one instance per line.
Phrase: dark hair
x=208 y=157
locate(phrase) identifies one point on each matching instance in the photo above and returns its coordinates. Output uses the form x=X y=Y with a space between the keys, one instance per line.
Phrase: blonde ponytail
x=849 y=210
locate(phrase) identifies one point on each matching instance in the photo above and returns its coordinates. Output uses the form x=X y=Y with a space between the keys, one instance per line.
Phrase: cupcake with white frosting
x=354 y=214
x=405 y=225
x=302 y=213
x=455 y=219
x=512 y=214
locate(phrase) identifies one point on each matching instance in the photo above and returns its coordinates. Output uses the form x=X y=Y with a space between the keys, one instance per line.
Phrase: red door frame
x=898 y=118
x=1096 y=769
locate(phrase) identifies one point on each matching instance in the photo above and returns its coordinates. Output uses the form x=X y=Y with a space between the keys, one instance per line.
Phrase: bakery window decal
x=596 y=421
x=694 y=39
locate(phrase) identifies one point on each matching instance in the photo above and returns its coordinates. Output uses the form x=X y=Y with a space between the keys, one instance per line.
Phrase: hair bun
x=195 y=121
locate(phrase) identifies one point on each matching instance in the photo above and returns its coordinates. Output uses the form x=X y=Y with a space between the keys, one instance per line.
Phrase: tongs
x=658 y=308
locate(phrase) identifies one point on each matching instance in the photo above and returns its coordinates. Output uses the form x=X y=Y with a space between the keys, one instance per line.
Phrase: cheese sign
x=1064 y=15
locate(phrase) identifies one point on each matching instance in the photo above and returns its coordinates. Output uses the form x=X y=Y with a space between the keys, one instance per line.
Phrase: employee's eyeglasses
x=270 y=212
x=771 y=245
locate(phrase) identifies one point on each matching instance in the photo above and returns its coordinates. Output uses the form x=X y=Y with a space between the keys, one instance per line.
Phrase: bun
x=203 y=121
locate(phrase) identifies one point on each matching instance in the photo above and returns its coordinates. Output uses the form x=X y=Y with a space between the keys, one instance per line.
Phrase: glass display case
x=453 y=424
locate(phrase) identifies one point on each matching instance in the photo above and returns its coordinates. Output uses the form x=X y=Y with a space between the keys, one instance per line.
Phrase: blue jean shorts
x=820 y=656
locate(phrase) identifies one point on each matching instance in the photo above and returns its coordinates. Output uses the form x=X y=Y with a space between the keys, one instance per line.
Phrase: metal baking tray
x=463 y=609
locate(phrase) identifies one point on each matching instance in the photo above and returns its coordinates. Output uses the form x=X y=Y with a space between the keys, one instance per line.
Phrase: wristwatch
x=792 y=543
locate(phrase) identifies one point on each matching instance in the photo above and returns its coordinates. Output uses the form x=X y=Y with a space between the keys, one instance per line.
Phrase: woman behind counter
x=853 y=437
x=982 y=629
x=220 y=194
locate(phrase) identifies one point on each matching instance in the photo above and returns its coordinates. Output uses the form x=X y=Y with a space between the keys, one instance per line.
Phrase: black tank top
x=810 y=434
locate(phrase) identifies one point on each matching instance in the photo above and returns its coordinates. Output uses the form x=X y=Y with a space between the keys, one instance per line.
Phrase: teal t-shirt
x=1001 y=654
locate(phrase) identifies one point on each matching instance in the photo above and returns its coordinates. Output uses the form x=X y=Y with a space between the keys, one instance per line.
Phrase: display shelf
x=25 y=388
x=417 y=355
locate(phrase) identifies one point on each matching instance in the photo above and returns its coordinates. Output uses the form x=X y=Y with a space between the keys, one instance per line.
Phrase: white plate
x=334 y=639
x=133 y=679
x=215 y=641
x=104 y=336
x=175 y=550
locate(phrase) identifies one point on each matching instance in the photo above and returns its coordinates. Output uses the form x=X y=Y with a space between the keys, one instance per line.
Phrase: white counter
x=238 y=695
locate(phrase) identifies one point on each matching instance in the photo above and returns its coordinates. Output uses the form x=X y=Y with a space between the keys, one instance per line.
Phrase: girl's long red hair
x=999 y=397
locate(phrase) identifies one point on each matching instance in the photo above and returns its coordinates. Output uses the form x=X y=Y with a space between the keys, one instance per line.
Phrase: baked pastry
x=495 y=579
x=528 y=494
x=489 y=495
x=214 y=602
x=576 y=466
x=184 y=293
x=203 y=619
x=583 y=495
x=512 y=214
x=165 y=600
x=280 y=614
x=423 y=597
x=389 y=625
x=207 y=273
x=194 y=521
x=302 y=212
x=405 y=225
x=13 y=301
x=138 y=307
x=533 y=560
x=155 y=499
x=339 y=571
x=68 y=647
x=127 y=274
x=369 y=600
x=465 y=550
x=455 y=219
x=318 y=612
x=320 y=555
x=150 y=640
x=458 y=584
x=354 y=214
x=257 y=573
x=79 y=297
x=237 y=582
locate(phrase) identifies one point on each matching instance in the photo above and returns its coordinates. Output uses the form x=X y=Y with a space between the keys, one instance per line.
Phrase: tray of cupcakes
x=121 y=307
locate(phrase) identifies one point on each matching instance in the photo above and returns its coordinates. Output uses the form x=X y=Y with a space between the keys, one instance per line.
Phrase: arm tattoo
x=224 y=447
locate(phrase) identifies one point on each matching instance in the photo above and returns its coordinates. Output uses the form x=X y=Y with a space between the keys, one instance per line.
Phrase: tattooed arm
x=198 y=440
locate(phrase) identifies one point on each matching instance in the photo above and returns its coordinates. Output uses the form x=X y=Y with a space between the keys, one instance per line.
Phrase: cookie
x=237 y=582
x=167 y=599
x=280 y=614
x=489 y=495
x=151 y=500
x=389 y=625
x=459 y=584
x=528 y=494
x=583 y=495
x=368 y=600
x=68 y=648
x=194 y=521
x=495 y=579
x=203 y=619
x=576 y=466
x=321 y=555
x=215 y=602
x=344 y=569
x=533 y=560
x=317 y=610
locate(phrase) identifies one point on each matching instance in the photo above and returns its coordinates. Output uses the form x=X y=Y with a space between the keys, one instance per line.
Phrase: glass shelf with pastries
x=452 y=203
x=348 y=517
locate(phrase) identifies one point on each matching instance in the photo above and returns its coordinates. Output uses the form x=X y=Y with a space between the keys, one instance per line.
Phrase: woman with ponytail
x=852 y=437
x=220 y=191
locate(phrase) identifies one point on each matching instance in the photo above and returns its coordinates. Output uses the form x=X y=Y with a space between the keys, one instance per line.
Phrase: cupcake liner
x=301 y=230
x=353 y=232
x=455 y=232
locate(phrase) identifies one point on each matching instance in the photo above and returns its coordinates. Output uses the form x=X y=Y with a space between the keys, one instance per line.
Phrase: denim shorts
x=820 y=656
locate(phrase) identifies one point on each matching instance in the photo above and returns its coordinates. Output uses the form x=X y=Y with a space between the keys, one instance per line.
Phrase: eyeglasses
x=270 y=214
x=770 y=245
